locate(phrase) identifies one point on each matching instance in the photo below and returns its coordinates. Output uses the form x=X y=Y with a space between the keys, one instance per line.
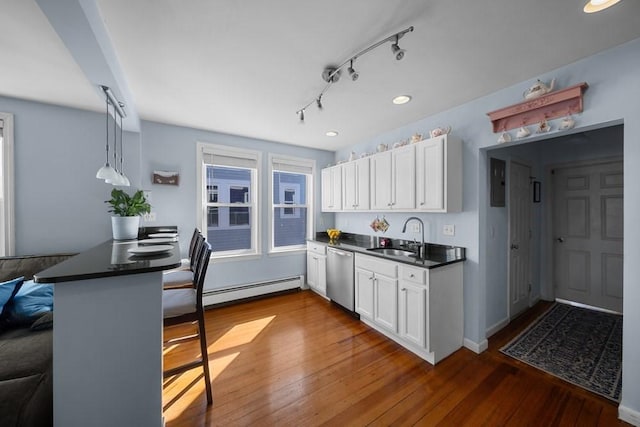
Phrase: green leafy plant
x=123 y=204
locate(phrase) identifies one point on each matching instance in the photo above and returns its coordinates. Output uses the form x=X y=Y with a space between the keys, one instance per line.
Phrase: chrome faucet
x=404 y=230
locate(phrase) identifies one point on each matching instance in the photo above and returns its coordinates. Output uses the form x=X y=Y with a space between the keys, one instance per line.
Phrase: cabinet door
x=364 y=293
x=404 y=179
x=386 y=302
x=321 y=263
x=381 y=181
x=362 y=184
x=331 y=188
x=312 y=270
x=317 y=272
x=412 y=312
x=430 y=174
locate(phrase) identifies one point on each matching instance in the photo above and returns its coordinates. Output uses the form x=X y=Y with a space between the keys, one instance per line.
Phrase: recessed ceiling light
x=598 y=5
x=331 y=133
x=401 y=99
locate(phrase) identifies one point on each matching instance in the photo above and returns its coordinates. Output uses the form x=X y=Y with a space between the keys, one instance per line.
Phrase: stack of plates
x=156 y=244
x=150 y=250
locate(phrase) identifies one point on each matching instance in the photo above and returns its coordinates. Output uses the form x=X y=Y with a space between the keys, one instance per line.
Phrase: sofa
x=26 y=355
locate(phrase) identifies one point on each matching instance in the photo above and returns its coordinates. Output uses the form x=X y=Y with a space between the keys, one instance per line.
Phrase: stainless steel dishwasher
x=340 y=279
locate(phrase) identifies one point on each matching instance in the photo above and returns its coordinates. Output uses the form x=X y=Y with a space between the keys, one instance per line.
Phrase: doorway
x=587 y=215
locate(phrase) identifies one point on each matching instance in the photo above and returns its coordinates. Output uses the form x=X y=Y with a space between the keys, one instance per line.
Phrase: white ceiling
x=246 y=67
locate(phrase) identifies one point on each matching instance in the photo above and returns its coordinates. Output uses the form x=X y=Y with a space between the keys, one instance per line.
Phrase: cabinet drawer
x=377 y=265
x=413 y=274
x=317 y=248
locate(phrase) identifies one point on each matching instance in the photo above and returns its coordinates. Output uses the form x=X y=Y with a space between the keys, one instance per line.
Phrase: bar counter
x=107 y=336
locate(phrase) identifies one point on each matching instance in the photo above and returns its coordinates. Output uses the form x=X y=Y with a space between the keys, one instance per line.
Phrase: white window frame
x=7 y=200
x=205 y=150
x=297 y=165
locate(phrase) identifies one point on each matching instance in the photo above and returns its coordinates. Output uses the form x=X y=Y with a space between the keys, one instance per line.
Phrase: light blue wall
x=173 y=148
x=613 y=96
x=59 y=202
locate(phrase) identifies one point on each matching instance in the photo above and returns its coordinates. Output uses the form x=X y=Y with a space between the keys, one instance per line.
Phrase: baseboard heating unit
x=234 y=293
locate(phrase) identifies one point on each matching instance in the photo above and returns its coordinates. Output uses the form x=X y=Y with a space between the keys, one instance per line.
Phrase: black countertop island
x=110 y=258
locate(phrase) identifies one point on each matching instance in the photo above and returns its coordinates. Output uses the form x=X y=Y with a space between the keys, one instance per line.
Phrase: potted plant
x=126 y=211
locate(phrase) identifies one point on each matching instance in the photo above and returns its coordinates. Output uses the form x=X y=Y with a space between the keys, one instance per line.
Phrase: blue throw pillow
x=30 y=302
x=7 y=293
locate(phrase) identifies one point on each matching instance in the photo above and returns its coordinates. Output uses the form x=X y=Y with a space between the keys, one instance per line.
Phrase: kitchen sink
x=392 y=252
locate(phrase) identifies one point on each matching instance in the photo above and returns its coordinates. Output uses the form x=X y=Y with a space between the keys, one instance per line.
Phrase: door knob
x=515 y=246
x=560 y=239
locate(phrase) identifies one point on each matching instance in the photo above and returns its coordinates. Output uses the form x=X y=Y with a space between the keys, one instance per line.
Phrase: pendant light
x=123 y=178
x=116 y=180
x=106 y=172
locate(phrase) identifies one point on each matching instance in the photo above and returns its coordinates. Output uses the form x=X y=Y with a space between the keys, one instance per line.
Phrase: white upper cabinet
x=393 y=179
x=425 y=176
x=332 y=189
x=439 y=175
x=355 y=185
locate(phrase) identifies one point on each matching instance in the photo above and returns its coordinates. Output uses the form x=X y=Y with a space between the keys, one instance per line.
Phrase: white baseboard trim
x=496 y=327
x=629 y=415
x=476 y=347
x=218 y=296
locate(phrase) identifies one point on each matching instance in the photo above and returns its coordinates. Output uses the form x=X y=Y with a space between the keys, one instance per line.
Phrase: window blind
x=286 y=164
x=232 y=158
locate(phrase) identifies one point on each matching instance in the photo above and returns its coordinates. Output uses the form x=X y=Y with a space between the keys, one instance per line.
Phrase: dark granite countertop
x=436 y=255
x=108 y=259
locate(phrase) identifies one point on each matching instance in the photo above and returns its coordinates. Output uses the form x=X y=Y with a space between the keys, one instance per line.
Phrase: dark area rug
x=579 y=345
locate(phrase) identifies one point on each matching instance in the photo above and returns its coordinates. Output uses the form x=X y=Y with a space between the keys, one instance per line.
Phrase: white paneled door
x=588 y=233
x=519 y=237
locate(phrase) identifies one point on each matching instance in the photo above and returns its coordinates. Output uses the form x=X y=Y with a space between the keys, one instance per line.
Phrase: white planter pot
x=125 y=227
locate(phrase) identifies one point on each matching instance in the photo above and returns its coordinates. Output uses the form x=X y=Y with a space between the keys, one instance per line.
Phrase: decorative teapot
x=538 y=89
x=439 y=131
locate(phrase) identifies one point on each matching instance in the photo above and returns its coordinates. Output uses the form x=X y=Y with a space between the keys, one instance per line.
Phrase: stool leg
x=205 y=357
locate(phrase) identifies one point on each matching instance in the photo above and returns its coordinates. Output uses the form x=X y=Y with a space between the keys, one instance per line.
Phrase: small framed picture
x=165 y=178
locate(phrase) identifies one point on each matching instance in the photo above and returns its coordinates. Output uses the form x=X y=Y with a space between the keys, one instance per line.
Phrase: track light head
x=301 y=116
x=331 y=74
x=353 y=73
x=395 y=48
x=399 y=53
x=319 y=102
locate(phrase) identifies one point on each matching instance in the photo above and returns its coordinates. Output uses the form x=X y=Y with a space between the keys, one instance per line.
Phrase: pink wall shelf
x=554 y=104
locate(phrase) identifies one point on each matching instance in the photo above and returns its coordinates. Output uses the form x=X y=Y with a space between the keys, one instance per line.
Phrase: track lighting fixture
x=399 y=53
x=353 y=73
x=331 y=74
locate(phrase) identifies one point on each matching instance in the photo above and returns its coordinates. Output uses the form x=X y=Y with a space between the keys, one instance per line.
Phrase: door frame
x=547 y=290
x=508 y=198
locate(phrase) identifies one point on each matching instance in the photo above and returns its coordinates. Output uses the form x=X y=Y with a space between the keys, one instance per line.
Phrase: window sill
x=287 y=252
x=231 y=258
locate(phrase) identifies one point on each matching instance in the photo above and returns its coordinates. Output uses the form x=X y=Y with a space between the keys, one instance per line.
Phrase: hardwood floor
x=298 y=360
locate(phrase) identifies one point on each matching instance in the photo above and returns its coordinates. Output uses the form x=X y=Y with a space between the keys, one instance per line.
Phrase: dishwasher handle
x=341 y=253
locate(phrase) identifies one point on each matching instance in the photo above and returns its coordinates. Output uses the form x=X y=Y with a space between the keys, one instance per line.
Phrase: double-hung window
x=7 y=241
x=229 y=208
x=291 y=196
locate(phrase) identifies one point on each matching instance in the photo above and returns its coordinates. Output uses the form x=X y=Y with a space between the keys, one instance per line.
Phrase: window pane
x=233 y=230
x=224 y=184
x=289 y=188
x=289 y=229
x=212 y=217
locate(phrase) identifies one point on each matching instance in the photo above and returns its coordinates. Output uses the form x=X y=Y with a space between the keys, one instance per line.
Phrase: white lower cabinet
x=413 y=313
x=419 y=308
x=317 y=267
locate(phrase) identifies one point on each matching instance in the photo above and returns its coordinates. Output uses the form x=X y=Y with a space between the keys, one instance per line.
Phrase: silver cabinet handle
x=412 y=275
x=560 y=239
x=515 y=246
